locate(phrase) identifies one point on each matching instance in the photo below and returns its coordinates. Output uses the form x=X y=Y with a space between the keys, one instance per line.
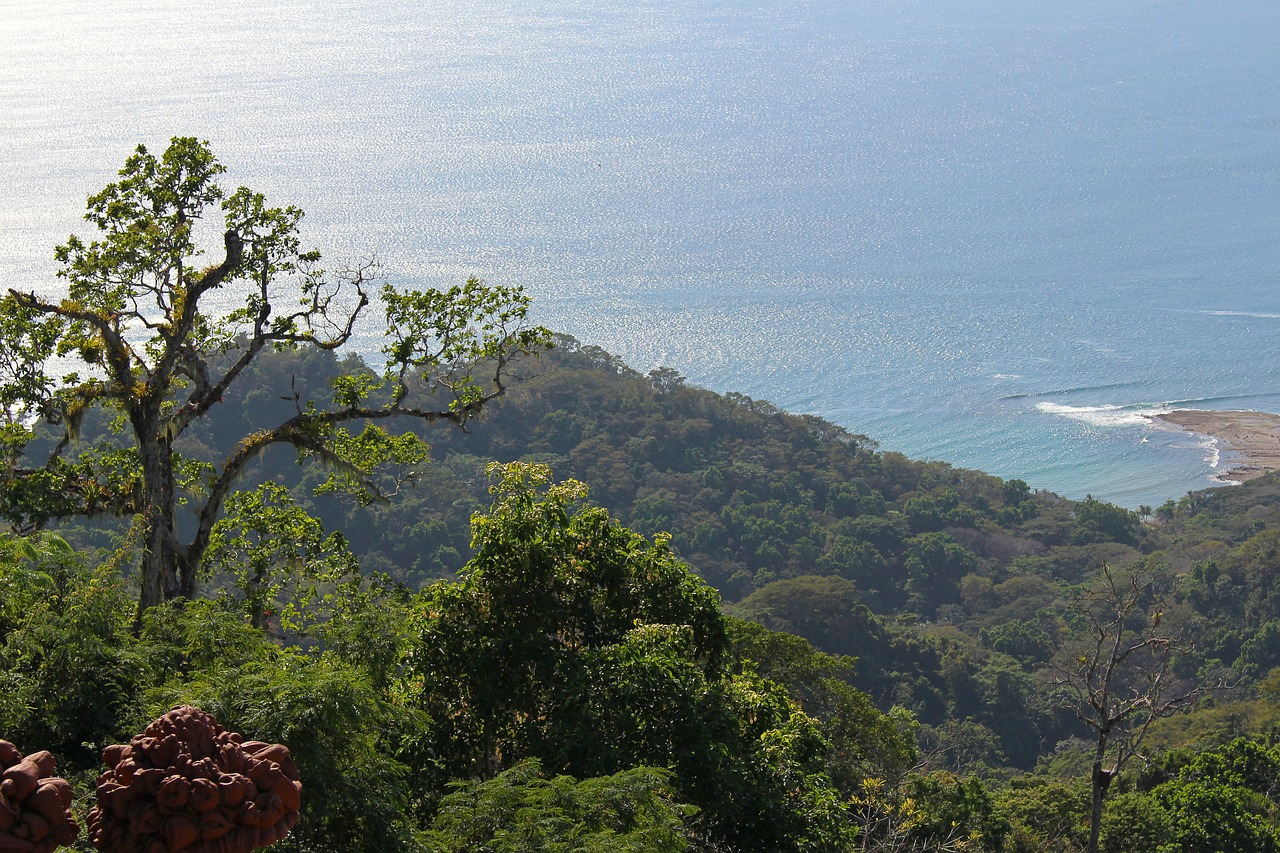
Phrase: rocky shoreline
x=1252 y=439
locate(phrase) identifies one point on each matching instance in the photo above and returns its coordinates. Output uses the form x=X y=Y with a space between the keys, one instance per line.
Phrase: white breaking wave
x=1104 y=416
x=1131 y=416
x=1212 y=453
x=1256 y=314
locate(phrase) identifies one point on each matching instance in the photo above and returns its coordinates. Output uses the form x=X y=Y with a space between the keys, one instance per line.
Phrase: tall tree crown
x=137 y=334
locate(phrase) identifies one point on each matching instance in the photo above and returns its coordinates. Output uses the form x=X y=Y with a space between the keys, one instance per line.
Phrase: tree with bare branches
x=153 y=336
x=1121 y=671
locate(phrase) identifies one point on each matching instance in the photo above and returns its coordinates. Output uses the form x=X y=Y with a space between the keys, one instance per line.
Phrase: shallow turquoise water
x=993 y=233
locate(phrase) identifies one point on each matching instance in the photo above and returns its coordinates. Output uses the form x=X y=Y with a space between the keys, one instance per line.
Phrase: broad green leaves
x=521 y=811
x=146 y=221
x=574 y=641
x=29 y=341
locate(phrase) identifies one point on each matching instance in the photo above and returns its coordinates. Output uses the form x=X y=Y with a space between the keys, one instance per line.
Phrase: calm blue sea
x=995 y=233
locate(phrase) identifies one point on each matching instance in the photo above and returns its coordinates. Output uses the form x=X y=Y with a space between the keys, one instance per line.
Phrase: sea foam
x=1104 y=416
x=1259 y=315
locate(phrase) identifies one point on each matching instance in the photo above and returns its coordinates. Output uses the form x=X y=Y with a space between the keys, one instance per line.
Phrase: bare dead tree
x=1121 y=672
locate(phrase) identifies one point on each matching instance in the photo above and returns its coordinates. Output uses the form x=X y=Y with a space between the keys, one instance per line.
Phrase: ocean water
x=995 y=233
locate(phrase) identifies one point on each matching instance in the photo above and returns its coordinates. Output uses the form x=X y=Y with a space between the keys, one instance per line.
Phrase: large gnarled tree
x=136 y=334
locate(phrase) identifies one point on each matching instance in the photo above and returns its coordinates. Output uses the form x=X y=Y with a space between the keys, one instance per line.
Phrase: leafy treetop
x=138 y=335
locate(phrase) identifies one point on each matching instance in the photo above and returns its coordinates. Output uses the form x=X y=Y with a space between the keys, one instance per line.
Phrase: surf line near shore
x=1251 y=438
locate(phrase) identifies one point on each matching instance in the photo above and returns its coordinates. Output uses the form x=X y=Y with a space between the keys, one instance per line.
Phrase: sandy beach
x=1251 y=438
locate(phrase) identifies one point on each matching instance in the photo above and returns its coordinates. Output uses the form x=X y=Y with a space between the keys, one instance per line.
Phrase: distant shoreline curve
x=1252 y=438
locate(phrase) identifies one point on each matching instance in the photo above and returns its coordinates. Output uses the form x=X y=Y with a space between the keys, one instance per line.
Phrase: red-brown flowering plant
x=35 y=805
x=188 y=784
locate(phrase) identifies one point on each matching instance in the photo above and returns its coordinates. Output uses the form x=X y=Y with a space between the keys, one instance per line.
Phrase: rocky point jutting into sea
x=1250 y=439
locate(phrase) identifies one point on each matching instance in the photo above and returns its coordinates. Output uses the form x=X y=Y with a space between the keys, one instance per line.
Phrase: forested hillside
x=951 y=598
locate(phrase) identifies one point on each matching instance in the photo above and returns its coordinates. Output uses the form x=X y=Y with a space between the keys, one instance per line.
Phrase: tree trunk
x=163 y=574
x=1099 y=781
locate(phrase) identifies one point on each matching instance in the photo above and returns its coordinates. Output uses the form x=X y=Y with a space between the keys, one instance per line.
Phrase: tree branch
x=178 y=336
x=118 y=351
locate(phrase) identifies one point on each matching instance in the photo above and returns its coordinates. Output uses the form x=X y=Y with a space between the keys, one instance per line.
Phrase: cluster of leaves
x=521 y=811
x=576 y=642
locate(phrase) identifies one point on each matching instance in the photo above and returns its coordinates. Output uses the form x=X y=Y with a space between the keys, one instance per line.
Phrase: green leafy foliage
x=862 y=743
x=520 y=811
x=332 y=719
x=574 y=641
x=1046 y=815
x=1136 y=823
x=70 y=674
x=1099 y=520
x=1220 y=818
x=277 y=558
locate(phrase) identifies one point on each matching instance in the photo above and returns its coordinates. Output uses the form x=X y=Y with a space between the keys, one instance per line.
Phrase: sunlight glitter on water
x=924 y=224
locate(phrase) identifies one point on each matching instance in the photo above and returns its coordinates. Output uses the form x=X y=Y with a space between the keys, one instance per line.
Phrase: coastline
x=1252 y=439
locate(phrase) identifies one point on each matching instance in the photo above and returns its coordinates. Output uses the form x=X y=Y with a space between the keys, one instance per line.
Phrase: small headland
x=1251 y=440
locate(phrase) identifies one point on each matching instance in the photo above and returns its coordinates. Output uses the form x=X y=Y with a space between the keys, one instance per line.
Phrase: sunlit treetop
x=141 y=332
